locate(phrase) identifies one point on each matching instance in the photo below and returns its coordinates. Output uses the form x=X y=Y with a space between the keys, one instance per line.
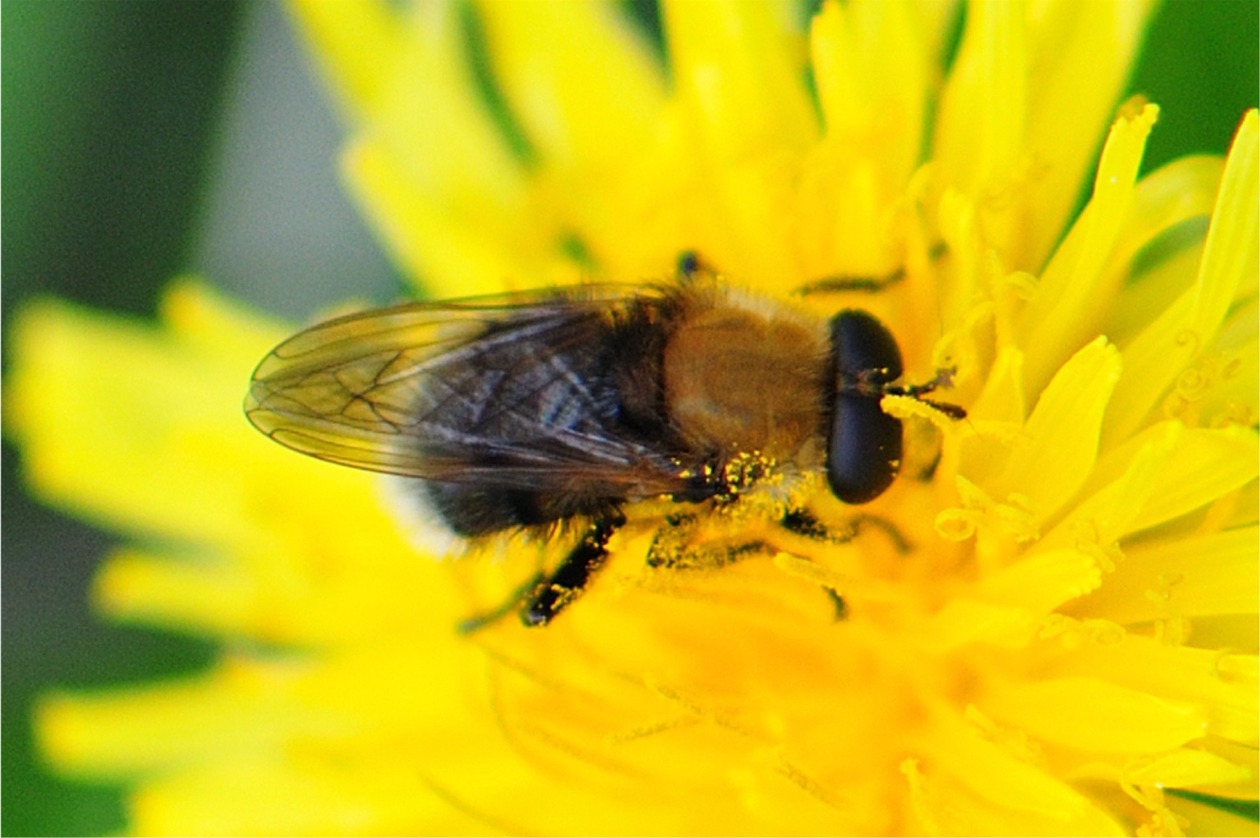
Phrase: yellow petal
x=1060 y=442
x=1162 y=351
x=1225 y=392
x=1042 y=581
x=1223 y=685
x=277 y=596
x=1203 y=575
x=112 y=424
x=439 y=176
x=738 y=71
x=198 y=596
x=982 y=123
x=1081 y=58
x=234 y=711
x=316 y=794
x=1035 y=801
x=1159 y=227
x=1092 y=714
x=1208 y=464
x=1230 y=254
x=1051 y=325
x=593 y=106
x=593 y=97
x=1192 y=768
x=1140 y=301
x=738 y=66
x=1003 y=399
x=1004 y=139
x=356 y=45
x=871 y=73
x=1206 y=819
x=458 y=245
x=965 y=621
x=1118 y=490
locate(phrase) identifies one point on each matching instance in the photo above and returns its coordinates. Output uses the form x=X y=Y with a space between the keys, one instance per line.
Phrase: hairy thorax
x=739 y=379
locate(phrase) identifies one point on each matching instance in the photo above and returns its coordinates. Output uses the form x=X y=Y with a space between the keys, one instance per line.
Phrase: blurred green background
x=145 y=140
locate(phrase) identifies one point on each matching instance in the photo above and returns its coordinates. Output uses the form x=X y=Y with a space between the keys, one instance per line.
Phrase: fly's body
x=528 y=410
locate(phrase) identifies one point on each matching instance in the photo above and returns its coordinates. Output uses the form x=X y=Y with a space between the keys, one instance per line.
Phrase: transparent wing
x=503 y=392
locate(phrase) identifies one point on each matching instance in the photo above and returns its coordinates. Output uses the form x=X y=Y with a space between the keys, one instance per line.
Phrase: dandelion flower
x=1055 y=630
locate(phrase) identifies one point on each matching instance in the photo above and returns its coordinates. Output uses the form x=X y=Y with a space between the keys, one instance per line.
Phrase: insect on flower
x=531 y=409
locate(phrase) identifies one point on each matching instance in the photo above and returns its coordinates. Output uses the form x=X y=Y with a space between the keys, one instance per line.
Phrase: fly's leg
x=512 y=603
x=552 y=594
x=804 y=523
x=865 y=284
x=837 y=602
x=691 y=264
x=674 y=547
x=671 y=545
x=543 y=596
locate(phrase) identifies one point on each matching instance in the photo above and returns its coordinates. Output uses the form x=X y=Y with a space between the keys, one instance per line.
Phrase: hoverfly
x=525 y=410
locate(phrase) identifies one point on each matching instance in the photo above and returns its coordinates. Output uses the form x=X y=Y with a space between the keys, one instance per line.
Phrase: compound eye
x=864 y=449
x=864 y=443
x=861 y=346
